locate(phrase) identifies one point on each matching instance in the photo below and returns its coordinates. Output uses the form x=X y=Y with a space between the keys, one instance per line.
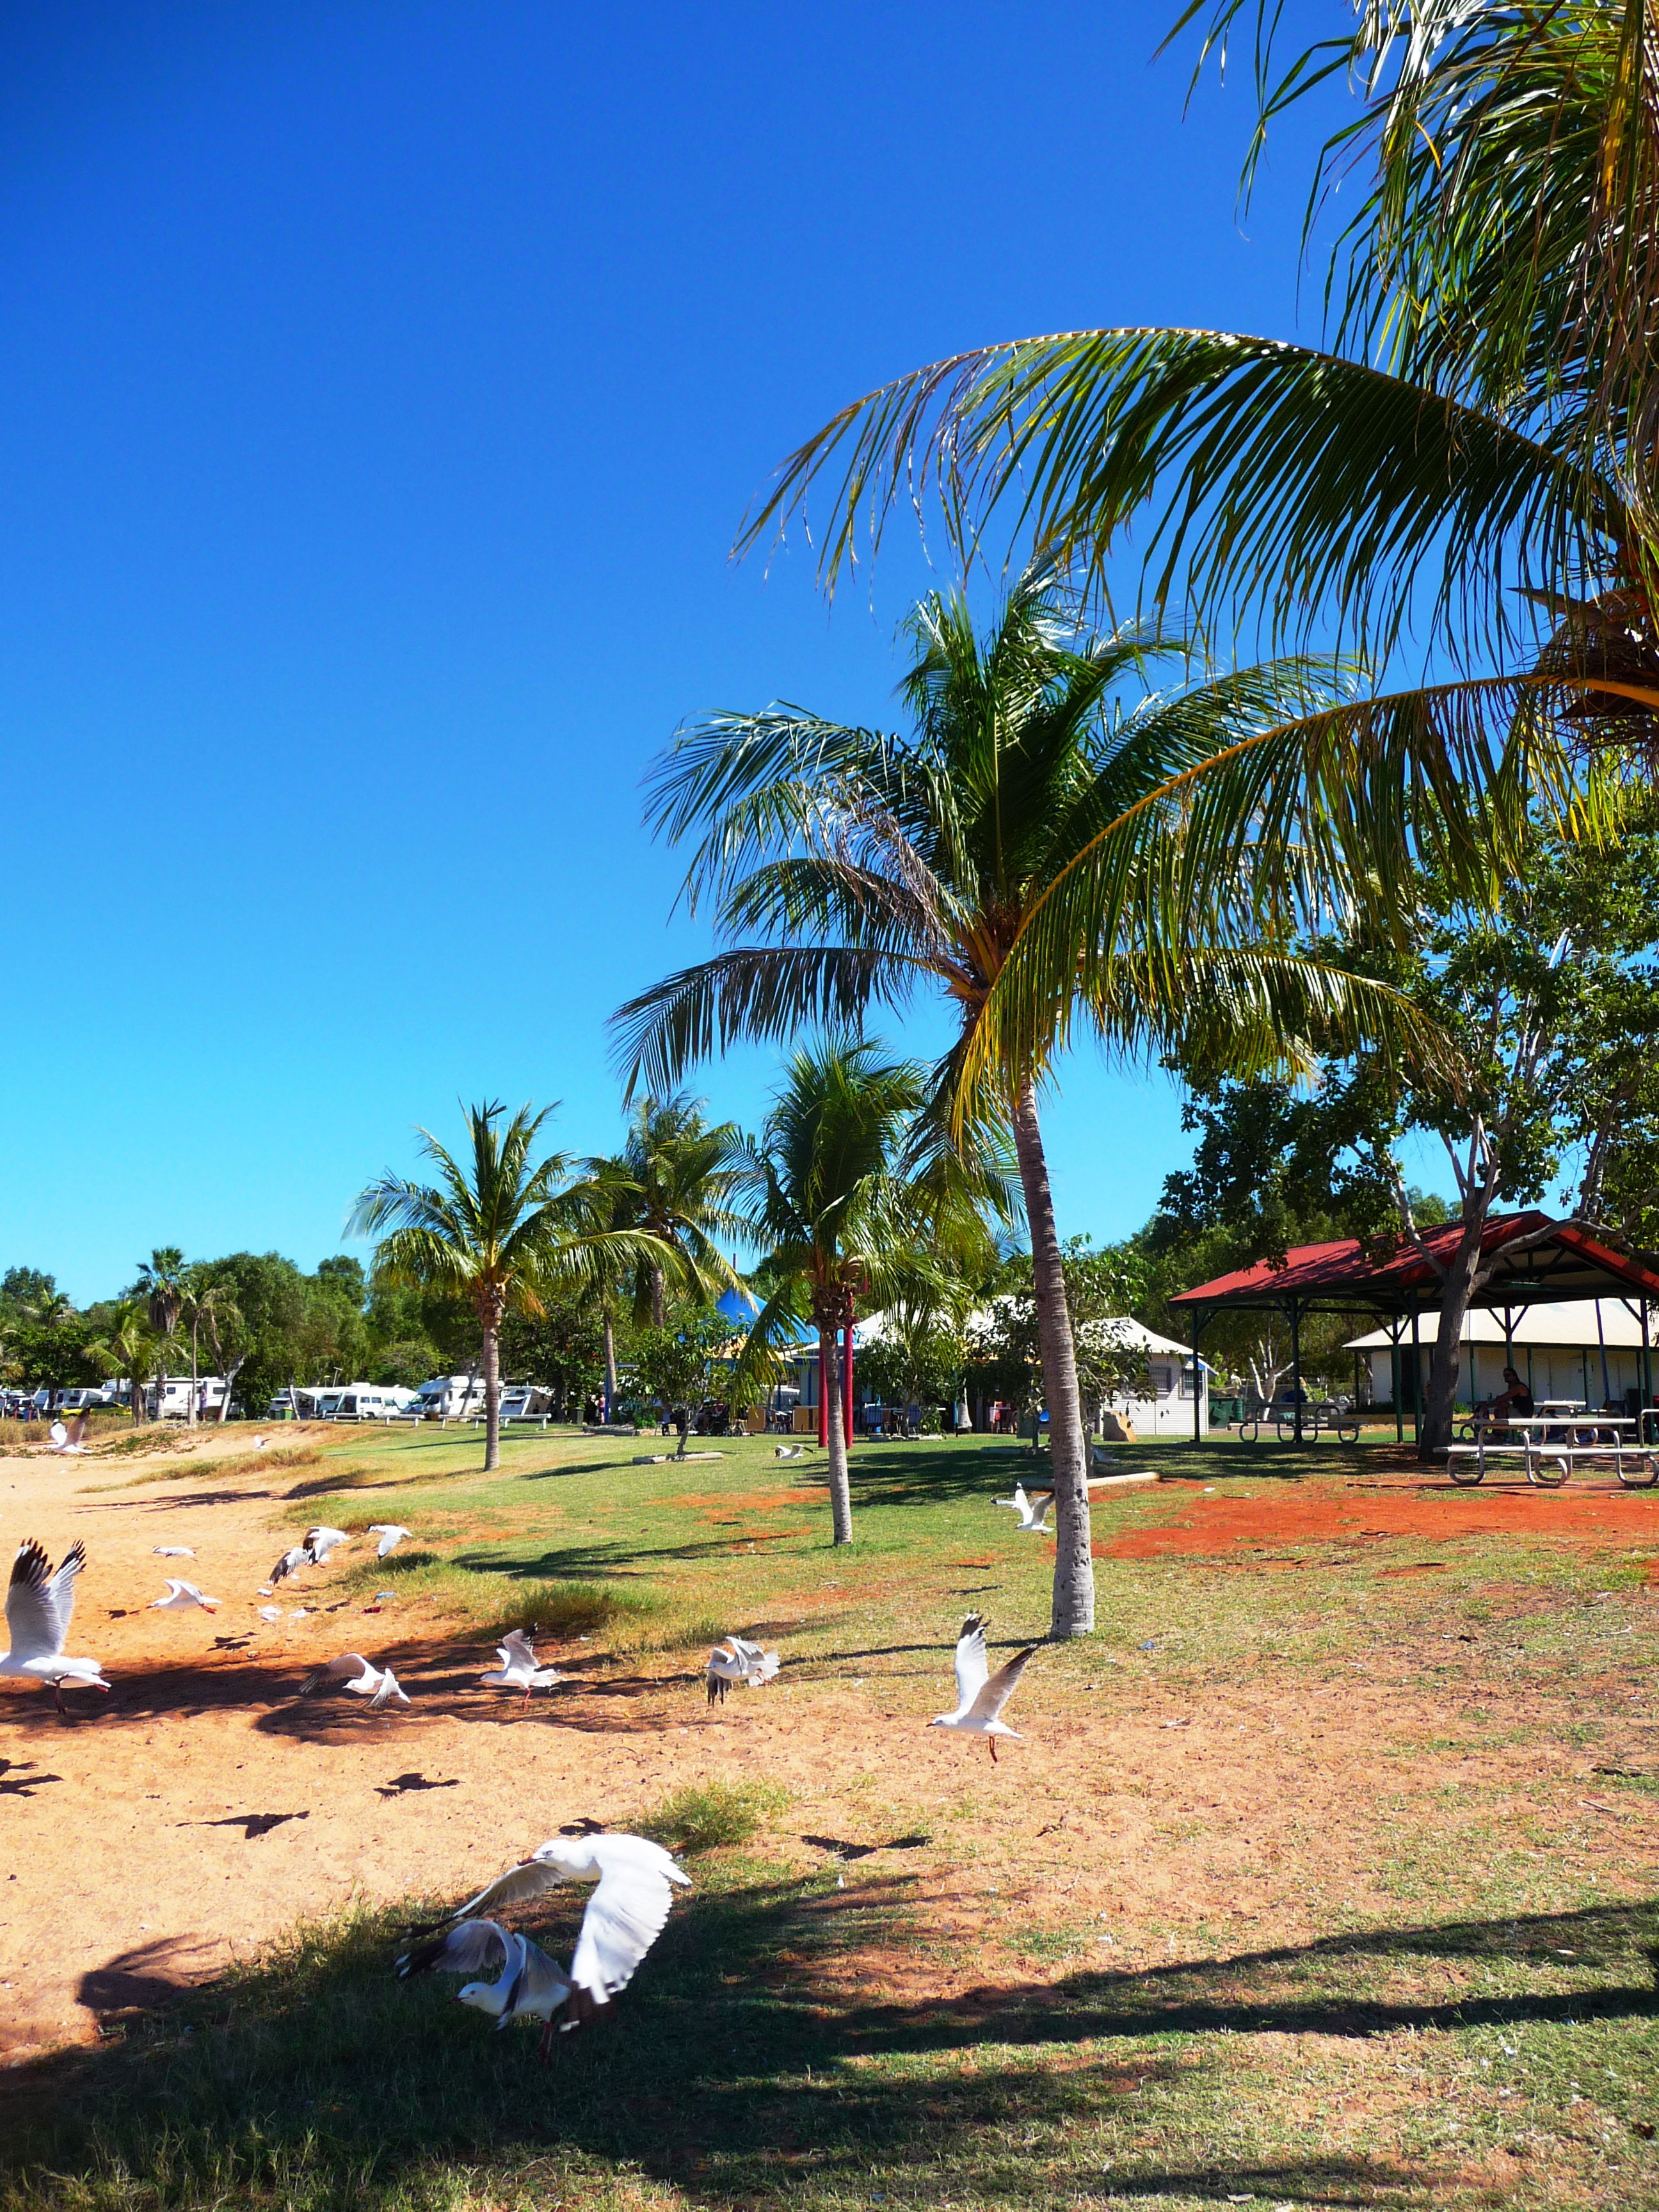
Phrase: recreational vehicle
x=451 y=1397
x=172 y=1402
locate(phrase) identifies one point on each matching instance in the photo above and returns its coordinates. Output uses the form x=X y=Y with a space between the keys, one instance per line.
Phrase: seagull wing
x=60 y=1590
x=994 y=1693
x=349 y=1667
x=475 y=1946
x=531 y=1879
x=390 y=1692
x=971 y=1669
x=31 y=1607
x=625 y=1917
x=77 y=1429
x=515 y=1644
x=542 y=1985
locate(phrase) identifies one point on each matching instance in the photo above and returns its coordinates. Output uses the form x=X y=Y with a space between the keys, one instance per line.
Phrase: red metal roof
x=1566 y=1262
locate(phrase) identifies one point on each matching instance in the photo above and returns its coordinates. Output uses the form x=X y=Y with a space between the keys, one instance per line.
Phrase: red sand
x=1343 y=1513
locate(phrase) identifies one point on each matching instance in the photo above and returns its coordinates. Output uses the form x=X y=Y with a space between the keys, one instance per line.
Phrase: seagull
x=517 y=1668
x=353 y=1672
x=39 y=1606
x=531 y=1986
x=313 y=1548
x=980 y=1696
x=180 y=1597
x=270 y=1613
x=787 y=1452
x=67 y=1439
x=736 y=1660
x=259 y=1443
x=391 y=1536
x=171 y=1552
x=625 y=1917
x=1033 y=1512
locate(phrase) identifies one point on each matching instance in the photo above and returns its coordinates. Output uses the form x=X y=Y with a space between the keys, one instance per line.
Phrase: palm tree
x=492 y=1230
x=674 y=1177
x=1474 y=444
x=127 y=1348
x=827 y=1198
x=160 y=1283
x=873 y=866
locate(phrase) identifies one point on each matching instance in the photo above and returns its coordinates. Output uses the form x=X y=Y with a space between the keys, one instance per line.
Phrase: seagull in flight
x=980 y=1695
x=171 y=1552
x=180 y=1597
x=530 y=1985
x=353 y=1672
x=313 y=1548
x=38 y=1607
x=1033 y=1511
x=625 y=1917
x=391 y=1536
x=734 y=1659
x=67 y=1439
x=518 y=1669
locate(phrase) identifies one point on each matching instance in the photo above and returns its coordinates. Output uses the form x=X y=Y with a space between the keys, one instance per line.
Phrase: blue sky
x=382 y=386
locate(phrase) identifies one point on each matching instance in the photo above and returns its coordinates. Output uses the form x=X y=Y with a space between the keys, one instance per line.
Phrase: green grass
x=1466 y=2016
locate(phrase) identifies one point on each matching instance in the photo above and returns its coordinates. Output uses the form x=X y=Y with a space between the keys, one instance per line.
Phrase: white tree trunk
x=841 y=1489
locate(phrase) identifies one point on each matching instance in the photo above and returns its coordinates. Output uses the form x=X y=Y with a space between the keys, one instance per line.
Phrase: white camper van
x=172 y=1402
x=366 y=1401
x=452 y=1397
x=526 y=1401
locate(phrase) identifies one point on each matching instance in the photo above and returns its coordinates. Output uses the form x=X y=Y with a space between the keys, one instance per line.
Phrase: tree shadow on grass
x=744 y=2066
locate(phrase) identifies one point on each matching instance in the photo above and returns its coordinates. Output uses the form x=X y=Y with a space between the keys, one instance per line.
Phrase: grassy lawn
x=1324 y=1879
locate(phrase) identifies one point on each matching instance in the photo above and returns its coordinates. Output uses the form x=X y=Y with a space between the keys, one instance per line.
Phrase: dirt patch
x=1334 y=1513
x=706 y=1504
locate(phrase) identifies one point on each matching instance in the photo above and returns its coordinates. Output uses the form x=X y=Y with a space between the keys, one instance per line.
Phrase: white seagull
x=391 y=1536
x=518 y=1669
x=67 y=1439
x=530 y=1985
x=734 y=1659
x=259 y=1443
x=317 y=1543
x=38 y=1607
x=1033 y=1511
x=353 y=1672
x=180 y=1597
x=171 y=1552
x=625 y=1917
x=981 y=1695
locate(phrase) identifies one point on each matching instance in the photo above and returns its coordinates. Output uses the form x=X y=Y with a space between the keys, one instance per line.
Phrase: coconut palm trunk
x=610 y=1365
x=841 y=1488
x=659 y=1303
x=491 y=1309
x=1073 y=1613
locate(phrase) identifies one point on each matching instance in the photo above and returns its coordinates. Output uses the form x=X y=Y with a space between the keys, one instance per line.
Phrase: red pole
x=847 y=1387
x=824 y=1396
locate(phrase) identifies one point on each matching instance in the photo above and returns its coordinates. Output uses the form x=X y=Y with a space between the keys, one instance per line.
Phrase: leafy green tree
x=674 y=1177
x=673 y=1366
x=494 y=1229
x=826 y=1196
x=849 y=867
x=562 y=1346
x=127 y=1346
x=207 y=1303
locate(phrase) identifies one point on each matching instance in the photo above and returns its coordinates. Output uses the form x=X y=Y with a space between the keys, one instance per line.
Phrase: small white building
x=1166 y=1409
x=1590 y=1350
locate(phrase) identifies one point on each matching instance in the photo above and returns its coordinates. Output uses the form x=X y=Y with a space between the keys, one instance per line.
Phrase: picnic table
x=1560 y=1438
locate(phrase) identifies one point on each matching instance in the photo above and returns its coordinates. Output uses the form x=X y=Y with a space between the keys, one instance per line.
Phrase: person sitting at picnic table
x=1513 y=1401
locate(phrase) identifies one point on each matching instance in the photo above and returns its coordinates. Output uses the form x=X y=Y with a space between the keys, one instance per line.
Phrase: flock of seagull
x=510 y=1977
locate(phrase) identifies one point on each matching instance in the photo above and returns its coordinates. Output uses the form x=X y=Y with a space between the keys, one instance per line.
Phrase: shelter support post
x=1296 y=1363
x=1647 y=1364
x=1198 y=1380
x=1397 y=1378
x=824 y=1398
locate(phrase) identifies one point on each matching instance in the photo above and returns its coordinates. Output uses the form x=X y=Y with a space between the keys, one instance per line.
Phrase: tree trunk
x=1068 y=1445
x=490 y=1317
x=1456 y=1292
x=659 y=1304
x=231 y=1373
x=190 y=1418
x=840 y=1490
x=609 y=1367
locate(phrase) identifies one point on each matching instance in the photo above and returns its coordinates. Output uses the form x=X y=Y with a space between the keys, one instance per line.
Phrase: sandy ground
x=198 y=1811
